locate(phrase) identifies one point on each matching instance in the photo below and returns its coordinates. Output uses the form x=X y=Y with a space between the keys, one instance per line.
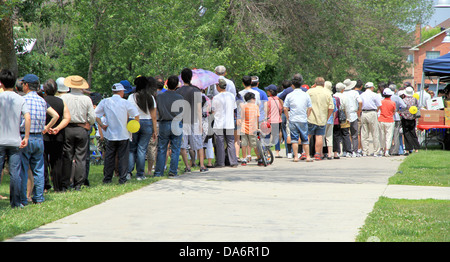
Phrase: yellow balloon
x=416 y=96
x=133 y=126
x=413 y=110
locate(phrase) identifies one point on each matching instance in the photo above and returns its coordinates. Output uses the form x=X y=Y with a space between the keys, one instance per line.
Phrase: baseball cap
x=222 y=83
x=30 y=78
x=271 y=87
x=118 y=87
x=369 y=84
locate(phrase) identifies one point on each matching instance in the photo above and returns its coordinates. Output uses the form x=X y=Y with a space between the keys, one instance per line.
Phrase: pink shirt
x=274 y=110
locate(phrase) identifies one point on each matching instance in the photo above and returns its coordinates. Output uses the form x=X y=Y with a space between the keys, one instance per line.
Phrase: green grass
x=399 y=220
x=58 y=205
x=425 y=168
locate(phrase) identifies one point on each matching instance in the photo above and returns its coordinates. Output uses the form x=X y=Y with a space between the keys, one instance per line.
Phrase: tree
x=7 y=49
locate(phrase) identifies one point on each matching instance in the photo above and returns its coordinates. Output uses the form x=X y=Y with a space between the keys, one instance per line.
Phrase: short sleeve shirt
x=250 y=121
x=321 y=101
x=298 y=103
x=387 y=111
x=12 y=106
x=223 y=106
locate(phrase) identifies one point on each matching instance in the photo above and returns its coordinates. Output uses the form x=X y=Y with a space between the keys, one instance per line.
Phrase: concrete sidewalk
x=323 y=201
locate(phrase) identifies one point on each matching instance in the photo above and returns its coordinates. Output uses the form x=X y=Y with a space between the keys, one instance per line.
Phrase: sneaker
x=203 y=170
x=354 y=154
x=387 y=154
x=243 y=162
x=289 y=156
x=260 y=163
x=172 y=174
x=128 y=176
x=187 y=170
x=140 y=178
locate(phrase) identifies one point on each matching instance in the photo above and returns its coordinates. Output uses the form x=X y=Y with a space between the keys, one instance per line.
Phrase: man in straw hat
x=77 y=132
x=116 y=111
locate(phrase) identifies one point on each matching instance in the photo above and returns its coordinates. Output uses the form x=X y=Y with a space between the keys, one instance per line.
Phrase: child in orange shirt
x=249 y=116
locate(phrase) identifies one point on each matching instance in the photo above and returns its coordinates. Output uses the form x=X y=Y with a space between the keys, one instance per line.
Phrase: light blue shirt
x=298 y=103
x=400 y=106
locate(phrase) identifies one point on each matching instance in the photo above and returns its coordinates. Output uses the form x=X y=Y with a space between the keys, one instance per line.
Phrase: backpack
x=342 y=116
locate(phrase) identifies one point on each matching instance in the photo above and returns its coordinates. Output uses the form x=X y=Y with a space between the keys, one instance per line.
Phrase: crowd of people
x=45 y=130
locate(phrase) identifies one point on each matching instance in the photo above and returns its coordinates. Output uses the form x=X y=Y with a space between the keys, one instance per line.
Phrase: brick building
x=430 y=48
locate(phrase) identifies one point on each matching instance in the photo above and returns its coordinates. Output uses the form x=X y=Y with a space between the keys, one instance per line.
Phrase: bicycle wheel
x=268 y=155
x=261 y=152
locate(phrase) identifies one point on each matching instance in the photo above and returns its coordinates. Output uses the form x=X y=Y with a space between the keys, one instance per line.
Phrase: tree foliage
x=107 y=41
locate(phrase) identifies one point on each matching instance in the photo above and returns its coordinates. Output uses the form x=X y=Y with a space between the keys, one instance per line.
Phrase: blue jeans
x=166 y=135
x=33 y=158
x=15 y=169
x=299 y=130
x=138 y=147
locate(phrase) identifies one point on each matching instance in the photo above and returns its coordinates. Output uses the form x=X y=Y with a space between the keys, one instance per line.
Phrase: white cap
x=369 y=85
x=118 y=87
x=340 y=86
x=388 y=92
x=61 y=86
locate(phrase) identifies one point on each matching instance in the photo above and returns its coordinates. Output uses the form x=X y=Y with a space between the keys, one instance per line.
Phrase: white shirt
x=257 y=96
x=223 y=106
x=344 y=103
x=423 y=101
x=353 y=99
x=116 y=111
x=370 y=100
x=142 y=114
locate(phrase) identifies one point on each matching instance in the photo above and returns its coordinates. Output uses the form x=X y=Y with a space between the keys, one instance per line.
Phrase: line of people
x=47 y=130
x=343 y=120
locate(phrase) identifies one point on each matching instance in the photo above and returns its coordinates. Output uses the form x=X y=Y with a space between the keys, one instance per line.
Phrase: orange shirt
x=387 y=110
x=250 y=113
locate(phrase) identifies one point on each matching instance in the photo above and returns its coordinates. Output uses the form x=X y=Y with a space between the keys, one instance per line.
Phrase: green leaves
x=108 y=41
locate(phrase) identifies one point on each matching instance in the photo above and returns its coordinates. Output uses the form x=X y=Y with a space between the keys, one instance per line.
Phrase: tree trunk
x=8 y=57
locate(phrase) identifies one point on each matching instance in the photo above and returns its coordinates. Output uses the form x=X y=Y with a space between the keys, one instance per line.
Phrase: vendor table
x=434 y=132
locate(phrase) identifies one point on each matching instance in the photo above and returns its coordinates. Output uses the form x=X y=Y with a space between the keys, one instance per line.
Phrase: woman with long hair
x=145 y=102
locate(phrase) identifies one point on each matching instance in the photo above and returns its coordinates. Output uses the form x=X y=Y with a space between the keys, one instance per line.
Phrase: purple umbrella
x=203 y=78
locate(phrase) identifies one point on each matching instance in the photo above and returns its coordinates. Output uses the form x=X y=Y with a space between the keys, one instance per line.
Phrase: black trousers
x=341 y=135
x=53 y=162
x=74 y=157
x=409 y=133
x=122 y=148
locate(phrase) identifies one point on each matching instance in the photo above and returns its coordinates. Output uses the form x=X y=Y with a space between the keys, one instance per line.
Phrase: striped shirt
x=38 y=110
x=250 y=121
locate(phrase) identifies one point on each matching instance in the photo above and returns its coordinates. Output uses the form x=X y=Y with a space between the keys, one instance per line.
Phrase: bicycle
x=265 y=153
